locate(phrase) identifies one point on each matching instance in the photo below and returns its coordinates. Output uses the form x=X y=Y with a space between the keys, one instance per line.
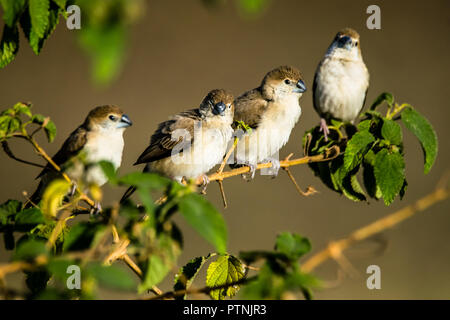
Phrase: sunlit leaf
x=225 y=270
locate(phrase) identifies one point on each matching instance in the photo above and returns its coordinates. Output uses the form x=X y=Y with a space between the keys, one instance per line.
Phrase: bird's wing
x=162 y=142
x=70 y=148
x=250 y=108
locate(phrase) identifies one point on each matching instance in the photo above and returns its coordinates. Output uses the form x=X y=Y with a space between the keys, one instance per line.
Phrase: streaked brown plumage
x=271 y=110
x=200 y=135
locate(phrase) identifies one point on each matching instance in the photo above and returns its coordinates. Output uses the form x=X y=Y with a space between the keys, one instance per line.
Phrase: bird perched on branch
x=100 y=137
x=192 y=142
x=341 y=80
x=271 y=111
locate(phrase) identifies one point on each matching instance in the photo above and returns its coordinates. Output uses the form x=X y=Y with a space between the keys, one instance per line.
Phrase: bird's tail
x=127 y=194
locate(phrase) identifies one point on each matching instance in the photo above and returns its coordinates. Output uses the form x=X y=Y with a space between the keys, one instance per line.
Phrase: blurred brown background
x=181 y=50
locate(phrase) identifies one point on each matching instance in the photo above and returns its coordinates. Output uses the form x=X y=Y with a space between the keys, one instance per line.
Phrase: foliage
x=373 y=148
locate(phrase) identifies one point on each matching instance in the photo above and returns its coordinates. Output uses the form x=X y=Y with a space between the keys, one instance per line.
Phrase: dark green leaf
x=9 y=45
x=225 y=270
x=423 y=130
x=58 y=268
x=292 y=245
x=356 y=148
x=392 y=132
x=385 y=96
x=205 y=219
x=61 y=3
x=12 y=10
x=389 y=174
x=186 y=275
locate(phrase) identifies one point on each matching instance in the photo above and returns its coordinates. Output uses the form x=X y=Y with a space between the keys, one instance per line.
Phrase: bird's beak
x=219 y=108
x=124 y=122
x=346 y=42
x=300 y=87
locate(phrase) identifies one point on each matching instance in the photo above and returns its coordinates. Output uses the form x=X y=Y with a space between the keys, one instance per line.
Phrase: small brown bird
x=100 y=137
x=271 y=111
x=341 y=80
x=192 y=142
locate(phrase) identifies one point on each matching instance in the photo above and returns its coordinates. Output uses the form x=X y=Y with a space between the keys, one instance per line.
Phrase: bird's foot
x=205 y=183
x=96 y=209
x=73 y=189
x=251 y=174
x=324 y=128
x=273 y=171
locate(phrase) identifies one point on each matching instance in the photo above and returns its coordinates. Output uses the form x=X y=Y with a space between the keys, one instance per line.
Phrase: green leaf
x=111 y=276
x=38 y=119
x=392 y=131
x=225 y=270
x=30 y=249
x=389 y=174
x=252 y=7
x=50 y=130
x=109 y=170
x=29 y=217
x=61 y=3
x=364 y=125
x=12 y=10
x=9 y=45
x=292 y=245
x=423 y=130
x=205 y=219
x=155 y=272
x=39 y=12
x=11 y=206
x=352 y=189
x=106 y=47
x=149 y=181
x=22 y=108
x=58 y=268
x=186 y=275
x=385 y=96
x=82 y=235
x=356 y=148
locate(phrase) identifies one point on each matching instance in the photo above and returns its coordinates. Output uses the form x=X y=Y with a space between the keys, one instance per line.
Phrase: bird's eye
x=112 y=118
x=287 y=81
x=356 y=43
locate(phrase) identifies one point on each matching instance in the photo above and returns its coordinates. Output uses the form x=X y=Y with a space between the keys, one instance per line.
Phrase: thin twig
x=10 y=154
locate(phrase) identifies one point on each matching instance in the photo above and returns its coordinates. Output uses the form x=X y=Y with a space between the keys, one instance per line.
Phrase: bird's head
x=283 y=81
x=107 y=118
x=218 y=103
x=346 y=44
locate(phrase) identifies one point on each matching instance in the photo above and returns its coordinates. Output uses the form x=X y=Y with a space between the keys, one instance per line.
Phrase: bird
x=341 y=80
x=271 y=111
x=99 y=137
x=192 y=142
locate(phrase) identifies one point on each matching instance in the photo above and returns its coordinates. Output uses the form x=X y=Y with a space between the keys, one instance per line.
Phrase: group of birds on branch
x=192 y=142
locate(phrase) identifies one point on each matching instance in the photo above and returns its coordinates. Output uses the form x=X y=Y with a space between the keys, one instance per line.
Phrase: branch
x=329 y=154
x=205 y=290
x=334 y=249
x=10 y=154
